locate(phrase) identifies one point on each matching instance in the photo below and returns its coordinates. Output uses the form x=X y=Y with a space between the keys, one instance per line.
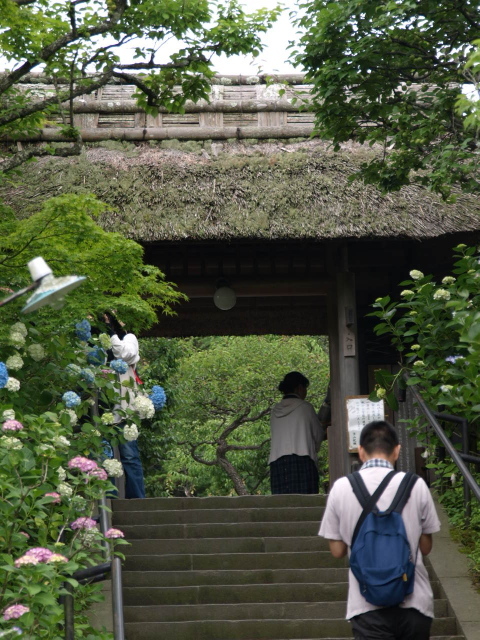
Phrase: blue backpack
x=381 y=559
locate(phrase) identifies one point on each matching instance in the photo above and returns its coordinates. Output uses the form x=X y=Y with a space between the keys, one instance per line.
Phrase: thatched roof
x=240 y=190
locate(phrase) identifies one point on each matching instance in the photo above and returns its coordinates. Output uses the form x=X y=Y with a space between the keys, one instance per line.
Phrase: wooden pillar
x=344 y=369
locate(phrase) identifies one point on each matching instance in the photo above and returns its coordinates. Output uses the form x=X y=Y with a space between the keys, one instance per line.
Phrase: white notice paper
x=361 y=411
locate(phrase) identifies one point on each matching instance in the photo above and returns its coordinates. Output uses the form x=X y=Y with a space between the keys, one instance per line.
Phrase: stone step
x=255 y=610
x=166 y=546
x=263 y=629
x=219 y=502
x=229 y=577
x=197 y=516
x=221 y=530
x=242 y=593
x=239 y=593
x=233 y=561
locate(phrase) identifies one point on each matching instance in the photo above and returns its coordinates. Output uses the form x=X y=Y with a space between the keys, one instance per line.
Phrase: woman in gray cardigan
x=296 y=435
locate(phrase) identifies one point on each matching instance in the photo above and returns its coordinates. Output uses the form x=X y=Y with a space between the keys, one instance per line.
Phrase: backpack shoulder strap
x=367 y=501
x=403 y=492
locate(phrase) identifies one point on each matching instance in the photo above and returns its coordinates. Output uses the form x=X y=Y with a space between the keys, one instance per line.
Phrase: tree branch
x=8 y=80
x=64 y=96
x=22 y=156
x=252 y=447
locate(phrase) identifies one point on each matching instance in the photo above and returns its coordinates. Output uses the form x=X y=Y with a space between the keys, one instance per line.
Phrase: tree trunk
x=233 y=474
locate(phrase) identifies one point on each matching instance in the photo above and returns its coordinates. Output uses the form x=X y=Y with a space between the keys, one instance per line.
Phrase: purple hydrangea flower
x=12 y=425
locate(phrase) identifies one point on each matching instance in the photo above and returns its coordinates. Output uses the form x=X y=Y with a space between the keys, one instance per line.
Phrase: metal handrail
x=469 y=482
x=98 y=573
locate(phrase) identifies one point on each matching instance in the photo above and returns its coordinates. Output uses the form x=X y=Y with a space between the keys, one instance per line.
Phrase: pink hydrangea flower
x=99 y=473
x=41 y=553
x=114 y=533
x=14 y=611
x=82 y=464
x=26 y=559
x=12 y=425
x=54 y=494
x=24 y=533
x=83 y=523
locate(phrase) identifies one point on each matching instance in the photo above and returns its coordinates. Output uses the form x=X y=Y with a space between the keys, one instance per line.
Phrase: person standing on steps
x=411 y=619
x=296 y=435
x=125 y=347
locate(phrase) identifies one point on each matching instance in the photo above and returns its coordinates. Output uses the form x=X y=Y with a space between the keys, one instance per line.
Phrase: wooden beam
x=116 y=105
x=172 y=133
x=265 y=287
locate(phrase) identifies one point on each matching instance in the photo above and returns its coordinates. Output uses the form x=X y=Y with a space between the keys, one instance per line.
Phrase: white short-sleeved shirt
x=419 y=516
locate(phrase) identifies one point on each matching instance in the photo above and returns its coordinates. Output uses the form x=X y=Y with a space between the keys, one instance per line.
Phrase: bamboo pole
x=174 y=133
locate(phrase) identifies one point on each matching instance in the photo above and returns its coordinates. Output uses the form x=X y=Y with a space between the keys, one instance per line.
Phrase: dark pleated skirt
x=293 y=474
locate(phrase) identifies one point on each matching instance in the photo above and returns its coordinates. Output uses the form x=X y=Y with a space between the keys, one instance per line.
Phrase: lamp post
x=48 y=289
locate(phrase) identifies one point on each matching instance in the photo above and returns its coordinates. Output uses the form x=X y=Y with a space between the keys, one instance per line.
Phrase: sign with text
x=361 y=411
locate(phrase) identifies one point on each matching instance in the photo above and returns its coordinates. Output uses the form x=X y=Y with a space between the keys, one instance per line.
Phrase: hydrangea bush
x=436 y=331
x=52 y=472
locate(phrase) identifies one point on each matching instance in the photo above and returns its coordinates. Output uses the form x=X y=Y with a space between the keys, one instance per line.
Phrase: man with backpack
x=385 y=521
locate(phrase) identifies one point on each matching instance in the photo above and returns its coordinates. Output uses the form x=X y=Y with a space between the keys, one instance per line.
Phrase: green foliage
x=436 y=331
x=74 y=39
x=64 y=232
x=34 y=461
x=220 y=392
x=392 y=74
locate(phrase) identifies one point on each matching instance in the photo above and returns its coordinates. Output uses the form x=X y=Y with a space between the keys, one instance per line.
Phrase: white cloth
x=126 y=349
x=419 y=516
x=295 y=429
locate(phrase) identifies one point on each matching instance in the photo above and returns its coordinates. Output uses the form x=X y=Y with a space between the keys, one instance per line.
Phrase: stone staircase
x=239 y=568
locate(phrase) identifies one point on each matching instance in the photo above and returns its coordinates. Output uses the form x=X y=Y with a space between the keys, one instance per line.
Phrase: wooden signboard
x=360 y=411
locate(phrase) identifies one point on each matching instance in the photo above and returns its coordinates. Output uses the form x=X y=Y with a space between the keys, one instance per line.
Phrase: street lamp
x=48 y=289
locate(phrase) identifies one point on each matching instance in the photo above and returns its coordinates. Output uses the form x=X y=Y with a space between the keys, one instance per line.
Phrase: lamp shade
x=224 y=298
x=52 y=291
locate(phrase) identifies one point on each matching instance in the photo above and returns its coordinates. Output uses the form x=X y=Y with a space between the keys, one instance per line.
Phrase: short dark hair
x=291 y=381
x=380 y=436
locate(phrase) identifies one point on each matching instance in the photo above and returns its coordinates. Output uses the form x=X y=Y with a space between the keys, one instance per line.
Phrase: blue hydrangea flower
x=158 y=397
x=96 y=356
x=3 y=375
x=120 y=366
x=71 y=399
x=83 y=330
x=87 y=375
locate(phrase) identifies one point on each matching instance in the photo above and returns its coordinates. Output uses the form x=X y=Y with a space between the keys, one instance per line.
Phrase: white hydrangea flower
x=446 y=388
x=144 y=407
x=20 y=328
x=419 y=363
x=130 y=432
x=12 y=384
x=88 y=536
x=79 y=503
x=8 y=414
x=107 y=418
x=441 y=294
x=453 y=478
x=113 y=468
x=448 y=280
x=407 y=292
x=16 y=339
x=65 y=490
x=10 y=443
x=62 y=442
x=415 y=274
x=61 y=474
x=36 y=352
x=14 y=363
x=72 y=415
x=105 y=341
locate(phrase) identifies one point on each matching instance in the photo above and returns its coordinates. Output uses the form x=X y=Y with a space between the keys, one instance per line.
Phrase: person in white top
x=125 y=346
x=296 y=435
x=410 y=620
